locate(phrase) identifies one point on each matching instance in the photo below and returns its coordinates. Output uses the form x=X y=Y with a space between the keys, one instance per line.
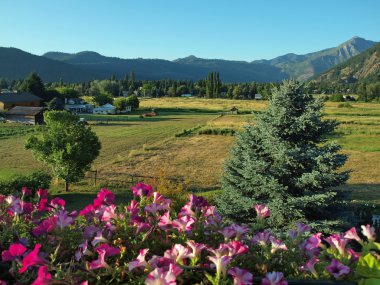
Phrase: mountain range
x=364 y=67
x=87 y=65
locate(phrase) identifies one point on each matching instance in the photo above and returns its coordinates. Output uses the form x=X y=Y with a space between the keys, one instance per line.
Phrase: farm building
x=11 y=99
x=105 y=109
x=78 y=105
x=234 y=110
x=26 y=115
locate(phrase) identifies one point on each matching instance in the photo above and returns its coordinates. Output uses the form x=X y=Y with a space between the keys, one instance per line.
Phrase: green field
x=150 y=147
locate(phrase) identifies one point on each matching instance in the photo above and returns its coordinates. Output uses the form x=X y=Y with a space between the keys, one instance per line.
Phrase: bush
x=133 y=101
x=33 y=181
x=217 y=131
x=336 y=98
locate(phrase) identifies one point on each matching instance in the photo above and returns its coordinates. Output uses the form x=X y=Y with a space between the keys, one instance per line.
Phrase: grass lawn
x=149 y=147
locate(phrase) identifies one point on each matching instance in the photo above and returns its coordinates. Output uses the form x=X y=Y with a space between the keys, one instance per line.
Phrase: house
x=78 y=105
x=258 y=96
x=187 y=95
x=26 y=115
x=8 y=100
x=234 y=110
x=106 y=109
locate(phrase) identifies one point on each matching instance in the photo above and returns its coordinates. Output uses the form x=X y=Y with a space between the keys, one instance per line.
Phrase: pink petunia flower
x=43 y=278
x=276 y=245
x=32 y=259
x=274 y=278
x=63 y=219
x=42 y=193
x=26 y=192
x=241 y=276
x=262 y=211
x=196 y=249
x=183 y=224
x=139 y=261
x=369 y=232
x=178 y=253
x=236 y=248
x=352 y=234
x=46 y=226
x=312 y=244
x=161 y=277
x=142 y=190
x=105 y=197
x=165 y=222
x=221 y=263
x=262 y=238
x=337 y=269
x=310 y=264
x=338 y=243
x=109 y=250
x=109 y=213
x=58 y=203
x=15 y=250
x=100 y=262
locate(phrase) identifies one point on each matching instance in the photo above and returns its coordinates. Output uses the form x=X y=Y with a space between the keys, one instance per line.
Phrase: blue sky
x=169 y=29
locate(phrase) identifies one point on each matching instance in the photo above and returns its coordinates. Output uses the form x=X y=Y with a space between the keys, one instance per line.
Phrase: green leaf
x=372 y=281
x=368 y=267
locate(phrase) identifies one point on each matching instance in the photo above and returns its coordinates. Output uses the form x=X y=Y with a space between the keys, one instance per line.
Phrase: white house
x=105 y=109
x=78 y=106
x=258 y=96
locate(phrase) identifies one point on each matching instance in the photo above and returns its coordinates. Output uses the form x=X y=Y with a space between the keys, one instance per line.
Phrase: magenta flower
x=310 y=266
x=160 y=262
x=183 y=223
x=32 y=259
x=43 y=277
x=43 y=205
x=262 y=211
x=236 y=248
x=352 y=234
x=109 y=213
x=337 y=269
x=262 y=238
x=302 y=228
x=42 y=193
x=154 y=208
x=58 y=202
x=178 y=253
x=46 y=226
x=369 y=232
x=26 y=192
x=276 y=245
x=221 y=263
x=234 y=231
x=313 y=242
x=141 y=190
x=15 y=250
x=196 y=249
x=27 y=207
x=139 y=261
x=354 y=256
x=100 y=262
x=62 y=219
x=241 y=276
x=109 y=250
x=99 y=238
x=104 y=196
x=161 y=277
x=274 y=278
x=338 y=243
x=88 y=211
x=165 y=222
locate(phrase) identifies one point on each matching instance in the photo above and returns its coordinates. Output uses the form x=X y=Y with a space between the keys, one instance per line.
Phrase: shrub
x=336 y=98
x=34 y=181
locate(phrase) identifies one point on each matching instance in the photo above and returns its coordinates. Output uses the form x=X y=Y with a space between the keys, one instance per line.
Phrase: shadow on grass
x=77 y=201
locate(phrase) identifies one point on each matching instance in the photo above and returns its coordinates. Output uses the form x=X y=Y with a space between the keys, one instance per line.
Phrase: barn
x=9 y=100
x=26 y=115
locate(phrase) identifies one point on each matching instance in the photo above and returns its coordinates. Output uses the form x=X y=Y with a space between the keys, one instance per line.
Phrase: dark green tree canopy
x=65 y=144
x=33 y=84
x=284 y=161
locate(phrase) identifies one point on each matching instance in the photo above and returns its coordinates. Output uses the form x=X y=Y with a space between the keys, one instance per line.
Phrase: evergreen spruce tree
x=283 y=160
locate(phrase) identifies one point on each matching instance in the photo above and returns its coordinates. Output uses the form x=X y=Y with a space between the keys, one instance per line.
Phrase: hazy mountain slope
x=306 y=66
x=17 y=64
x=188 y=68
x=363 y=67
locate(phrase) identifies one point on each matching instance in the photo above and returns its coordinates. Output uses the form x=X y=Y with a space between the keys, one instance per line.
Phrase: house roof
x=18 y=97
x=27 y=111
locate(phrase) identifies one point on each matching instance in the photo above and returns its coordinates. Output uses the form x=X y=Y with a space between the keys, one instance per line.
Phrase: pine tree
x=284 y=161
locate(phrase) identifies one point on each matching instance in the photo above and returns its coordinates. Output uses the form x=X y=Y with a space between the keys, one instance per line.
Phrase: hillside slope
x=364 y=67
x=17 y=64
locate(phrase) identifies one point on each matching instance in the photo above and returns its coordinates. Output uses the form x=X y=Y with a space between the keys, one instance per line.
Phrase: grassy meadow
x=150 y=147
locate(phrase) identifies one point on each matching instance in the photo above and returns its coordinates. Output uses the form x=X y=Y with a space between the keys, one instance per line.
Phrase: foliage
x=102 y=99
x=66 y=145
x=120 y=103
x=337 y=98
x=34 y=180
x=148 y=242
x=33 y=84
x=133 y=101
x=283 y=160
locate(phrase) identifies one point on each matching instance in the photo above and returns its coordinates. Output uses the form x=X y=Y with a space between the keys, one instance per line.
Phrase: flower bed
x=145 y=242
